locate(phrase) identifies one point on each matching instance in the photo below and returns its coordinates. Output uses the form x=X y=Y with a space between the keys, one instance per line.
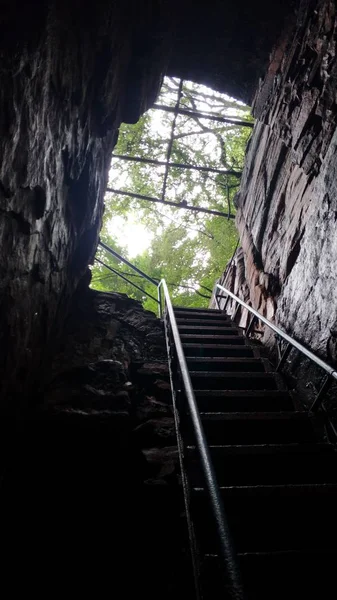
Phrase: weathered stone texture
x=92 y=475
x=71 y=72
x=286 y=215
x=64 y=90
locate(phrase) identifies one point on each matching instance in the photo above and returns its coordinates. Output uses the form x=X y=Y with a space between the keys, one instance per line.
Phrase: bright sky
x=131 y=234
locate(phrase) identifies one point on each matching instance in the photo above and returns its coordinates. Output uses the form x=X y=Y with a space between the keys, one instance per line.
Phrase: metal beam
x=200 y=115
x=126 y=279
x=125 y=261
x=208 y=211
x=162 y=163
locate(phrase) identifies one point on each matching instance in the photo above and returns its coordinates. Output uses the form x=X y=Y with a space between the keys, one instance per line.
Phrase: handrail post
x=284 y=356
x=236 y=311
x=160 y=306
x=250 y=325
x=323 y=389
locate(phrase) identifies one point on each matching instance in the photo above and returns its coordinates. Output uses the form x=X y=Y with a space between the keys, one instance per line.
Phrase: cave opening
x=170 y=197
x=90 y=479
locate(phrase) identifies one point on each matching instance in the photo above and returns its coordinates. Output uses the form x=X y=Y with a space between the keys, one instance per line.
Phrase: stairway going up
x=276 y=469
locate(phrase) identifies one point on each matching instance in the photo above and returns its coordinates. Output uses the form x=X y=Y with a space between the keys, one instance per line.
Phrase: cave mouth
x=169 y=205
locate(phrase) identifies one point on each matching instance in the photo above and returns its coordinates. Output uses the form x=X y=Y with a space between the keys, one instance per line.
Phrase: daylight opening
x=169 y=206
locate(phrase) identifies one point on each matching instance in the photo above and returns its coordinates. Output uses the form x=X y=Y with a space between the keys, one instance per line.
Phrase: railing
x=179 y=373
x=177 y=359
x=291 y=342
x=129 y=264
x=183 y=397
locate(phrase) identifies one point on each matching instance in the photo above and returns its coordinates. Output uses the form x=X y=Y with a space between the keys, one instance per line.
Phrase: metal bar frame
x=125 y=279
x=179 y=110
x=125 y=261
x=209 y=211
x=284 y=356
x=170 y=145
x=201 y=115
x=164 y=163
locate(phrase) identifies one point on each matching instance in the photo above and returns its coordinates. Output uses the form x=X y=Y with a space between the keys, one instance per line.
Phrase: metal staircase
x=259 y=473
x=274 y=472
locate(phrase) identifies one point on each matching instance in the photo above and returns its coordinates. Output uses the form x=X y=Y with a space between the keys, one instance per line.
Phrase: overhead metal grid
x=178 y=110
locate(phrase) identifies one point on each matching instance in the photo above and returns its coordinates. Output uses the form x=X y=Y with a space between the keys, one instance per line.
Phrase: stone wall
x=92 y=473
x=65 y=73
x=286 y=207
x=70 y=73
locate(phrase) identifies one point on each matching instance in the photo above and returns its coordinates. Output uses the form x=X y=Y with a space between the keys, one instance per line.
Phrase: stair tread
x=236 y=359
x=220 y=328
x=234 y=363
x=222 y=321
x=274 y=554
x=265 y=416
x=292 y=489
x=228 y=350
x=190 y=336
x=292 y=574
x=239 y=374
x=178 y=309
x=275 y=394
x=295 y=448
x=255 y=428
x=271 y=517
x=243 y=400
x=196 y=345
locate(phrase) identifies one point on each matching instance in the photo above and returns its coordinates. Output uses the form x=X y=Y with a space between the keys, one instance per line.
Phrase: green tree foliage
x=189 y=249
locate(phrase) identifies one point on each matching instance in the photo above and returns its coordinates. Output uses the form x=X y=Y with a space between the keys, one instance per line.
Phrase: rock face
x=64 y=91
x=70 y=73
x=287 y=211
x=93 y=473
x=226 y=44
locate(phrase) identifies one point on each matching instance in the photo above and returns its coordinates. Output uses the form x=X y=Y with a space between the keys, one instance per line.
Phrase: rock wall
x=70 y=73
x=65 y=72
x=226 y=44
x=286 y=207
x=92 y=474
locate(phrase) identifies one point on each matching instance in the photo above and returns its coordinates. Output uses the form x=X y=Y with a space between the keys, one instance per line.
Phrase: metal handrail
x=330 y=371
x=128 y=263
x=126 y=279
x=321 y=363
x=232 y=571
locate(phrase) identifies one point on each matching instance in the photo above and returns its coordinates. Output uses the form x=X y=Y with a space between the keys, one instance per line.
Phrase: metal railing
x=330 y=372
x=183 y=397
x=129 y=264
x=179 y=374
x=177 y=358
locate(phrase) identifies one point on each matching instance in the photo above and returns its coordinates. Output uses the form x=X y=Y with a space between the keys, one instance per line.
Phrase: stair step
x=289 y=575
x=233 y=380
x=225 y=350
x=267 y=464
x=256 y=428
x=271 y=518
x=213 y=321
x=213 y=338
x=194 y=311
x=222 y=363
x=236 y=400
x=209 y=330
